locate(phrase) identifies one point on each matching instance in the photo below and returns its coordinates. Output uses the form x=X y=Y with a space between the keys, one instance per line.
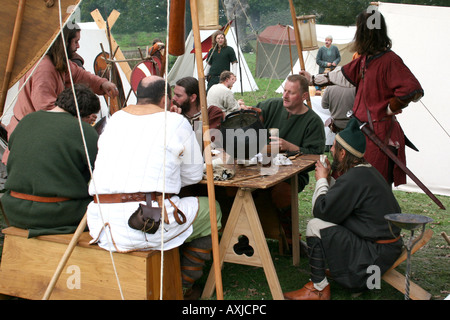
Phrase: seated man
x=220 y=94
x=186 y=99
x=349 y=232
x=300 y=129
x=145 y=152
x=48 y=172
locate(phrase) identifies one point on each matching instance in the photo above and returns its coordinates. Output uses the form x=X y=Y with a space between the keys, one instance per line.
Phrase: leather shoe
x=308 y=292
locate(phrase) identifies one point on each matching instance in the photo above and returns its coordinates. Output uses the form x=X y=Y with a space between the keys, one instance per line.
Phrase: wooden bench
x=397 y=280
x=28 y=265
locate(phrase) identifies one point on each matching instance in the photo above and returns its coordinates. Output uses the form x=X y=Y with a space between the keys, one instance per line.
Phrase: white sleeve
x=230 y=102
x=322 y=187
x=191 y=171
x=234 y=68
x=208 y=66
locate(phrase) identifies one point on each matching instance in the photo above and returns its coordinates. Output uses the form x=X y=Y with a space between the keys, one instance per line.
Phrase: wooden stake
x=445 y=236
x=76 y=236
x=207 y=143
x=12 y=53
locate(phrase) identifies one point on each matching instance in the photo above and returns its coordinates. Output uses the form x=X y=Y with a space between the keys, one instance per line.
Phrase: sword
x=372 y=136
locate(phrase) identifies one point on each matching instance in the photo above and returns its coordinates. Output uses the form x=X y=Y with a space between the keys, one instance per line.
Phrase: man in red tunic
x=384 y=86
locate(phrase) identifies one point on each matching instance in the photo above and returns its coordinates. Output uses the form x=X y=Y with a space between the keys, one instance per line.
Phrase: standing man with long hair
x=51 y=77
x=219 y=59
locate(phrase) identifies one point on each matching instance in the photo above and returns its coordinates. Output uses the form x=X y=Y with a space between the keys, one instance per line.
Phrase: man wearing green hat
x=348 y=233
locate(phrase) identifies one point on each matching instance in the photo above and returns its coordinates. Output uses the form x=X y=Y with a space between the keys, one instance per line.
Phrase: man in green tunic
x=48 y=171
x=349 y=234
x=300 y=129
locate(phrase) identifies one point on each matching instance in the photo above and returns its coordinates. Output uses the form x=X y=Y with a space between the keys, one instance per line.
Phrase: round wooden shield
x=110 y=72
x=140 y=71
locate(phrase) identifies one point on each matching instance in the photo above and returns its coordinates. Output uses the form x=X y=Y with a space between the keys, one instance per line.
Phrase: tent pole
x=290 y=50
x=238 y=52
x=207 y=151
x=298 y=41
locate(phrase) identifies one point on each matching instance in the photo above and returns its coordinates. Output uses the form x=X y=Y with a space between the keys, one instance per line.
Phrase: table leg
x=244 y=221
x=295 y=221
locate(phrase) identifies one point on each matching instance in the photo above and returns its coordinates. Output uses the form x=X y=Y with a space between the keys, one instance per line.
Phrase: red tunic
x=378 y=79
x=45 y=85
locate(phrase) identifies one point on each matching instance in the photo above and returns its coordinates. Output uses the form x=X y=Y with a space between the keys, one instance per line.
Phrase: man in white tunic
x=145 y=150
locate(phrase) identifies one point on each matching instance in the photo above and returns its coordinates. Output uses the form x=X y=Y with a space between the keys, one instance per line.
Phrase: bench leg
x=397 y=280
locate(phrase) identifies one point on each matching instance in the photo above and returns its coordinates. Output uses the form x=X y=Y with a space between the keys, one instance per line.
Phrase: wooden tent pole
x=207 y=151
x=297 y=35
x=76 y=236
x=298 y=41
x=290 y=49
x=12 y=53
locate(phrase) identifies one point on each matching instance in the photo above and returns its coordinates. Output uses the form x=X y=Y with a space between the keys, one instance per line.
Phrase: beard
x=185 y=106
x=336 y=164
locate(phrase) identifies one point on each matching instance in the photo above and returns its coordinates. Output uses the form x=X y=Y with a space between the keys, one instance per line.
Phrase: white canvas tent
x=342 y=38
x=91 y=37
x=417 y=34
x=185 y=64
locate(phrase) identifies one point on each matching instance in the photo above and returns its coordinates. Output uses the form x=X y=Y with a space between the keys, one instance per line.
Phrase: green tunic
x=304 y=130
x=48 y=159
x=220 y=60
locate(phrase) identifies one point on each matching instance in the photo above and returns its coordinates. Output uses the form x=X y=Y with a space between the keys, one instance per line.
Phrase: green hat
x=352 y=139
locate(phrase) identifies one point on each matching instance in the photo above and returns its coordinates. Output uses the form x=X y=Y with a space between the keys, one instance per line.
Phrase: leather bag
x=146 y=218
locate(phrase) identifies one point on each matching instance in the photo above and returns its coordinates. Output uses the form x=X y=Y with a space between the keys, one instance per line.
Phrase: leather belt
x=141 y=196
x=31 y=197
x=127 y=197
x=388 y=240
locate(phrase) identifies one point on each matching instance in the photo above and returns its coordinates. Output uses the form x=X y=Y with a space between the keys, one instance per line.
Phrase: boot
x=316 y=259
x=309 y=292
x=317 y=267
x=194 y=254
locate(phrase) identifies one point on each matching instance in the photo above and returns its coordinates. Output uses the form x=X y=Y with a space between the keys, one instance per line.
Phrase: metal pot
x=243 y=134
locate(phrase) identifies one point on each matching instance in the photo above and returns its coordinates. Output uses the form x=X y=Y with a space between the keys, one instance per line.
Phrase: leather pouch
x=146 y=218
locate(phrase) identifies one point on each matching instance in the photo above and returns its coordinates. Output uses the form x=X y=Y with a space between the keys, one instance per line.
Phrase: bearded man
x=349 y=231
x=186 y=100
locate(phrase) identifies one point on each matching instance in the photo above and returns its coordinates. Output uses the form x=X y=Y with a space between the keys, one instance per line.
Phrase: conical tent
x=276 y=52
x=185 y=64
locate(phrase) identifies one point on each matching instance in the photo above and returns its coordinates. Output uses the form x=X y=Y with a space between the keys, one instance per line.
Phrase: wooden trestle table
x=244 y=220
